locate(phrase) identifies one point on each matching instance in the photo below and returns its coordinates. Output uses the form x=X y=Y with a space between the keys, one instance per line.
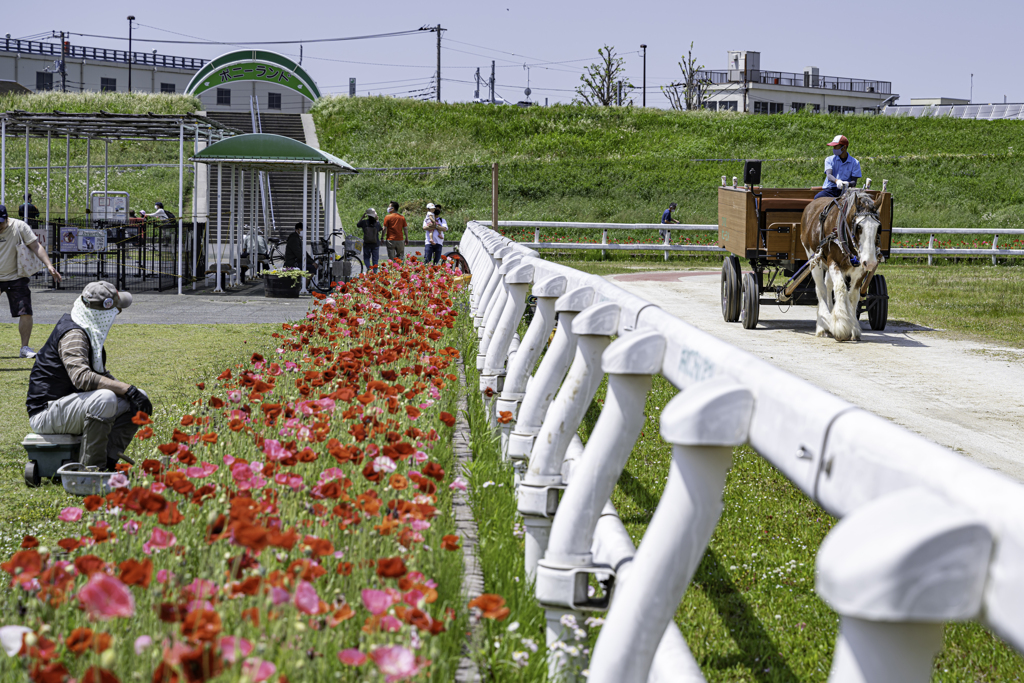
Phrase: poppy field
x=294 y=524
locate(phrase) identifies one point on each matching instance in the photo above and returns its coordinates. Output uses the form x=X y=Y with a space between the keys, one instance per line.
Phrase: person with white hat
x=841 y=169
x=371 y=228
x=71 y=391
x=433 y=241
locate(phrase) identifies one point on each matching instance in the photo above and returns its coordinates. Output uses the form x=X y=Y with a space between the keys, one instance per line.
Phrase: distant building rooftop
x=937 y=101
x=37 y=47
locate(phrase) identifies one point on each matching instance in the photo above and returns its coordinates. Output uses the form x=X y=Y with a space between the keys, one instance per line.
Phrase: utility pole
x=618 y=99
x=63 y=64
x=131 y=18
x=492 y=82
x=438 y=29
x=476 y=93
x=645 y=75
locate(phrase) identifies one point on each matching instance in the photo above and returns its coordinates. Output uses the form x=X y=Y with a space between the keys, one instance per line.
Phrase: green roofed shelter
x=256 y=152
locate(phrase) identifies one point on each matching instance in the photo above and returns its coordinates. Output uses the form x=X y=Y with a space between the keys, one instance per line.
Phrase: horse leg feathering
x=842 y=318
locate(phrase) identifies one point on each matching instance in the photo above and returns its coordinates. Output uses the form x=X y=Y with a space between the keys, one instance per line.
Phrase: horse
x=840 y=237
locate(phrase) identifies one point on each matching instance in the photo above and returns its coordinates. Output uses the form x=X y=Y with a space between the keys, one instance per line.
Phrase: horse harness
x=841 y=236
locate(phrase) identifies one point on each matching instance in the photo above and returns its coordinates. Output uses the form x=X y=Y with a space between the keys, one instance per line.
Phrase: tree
x=601 y=81
x=688 y=93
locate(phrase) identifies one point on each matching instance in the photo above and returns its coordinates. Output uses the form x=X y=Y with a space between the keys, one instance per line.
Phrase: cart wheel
x=878 y=306
x=751 y=308
x=731 y=289
x=32 y=474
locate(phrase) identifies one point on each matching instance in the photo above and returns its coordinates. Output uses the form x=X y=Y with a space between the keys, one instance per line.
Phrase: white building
x=745 y=87
x=36 y=66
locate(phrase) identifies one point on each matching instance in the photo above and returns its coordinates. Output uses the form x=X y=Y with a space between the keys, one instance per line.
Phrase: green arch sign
x=254 y=65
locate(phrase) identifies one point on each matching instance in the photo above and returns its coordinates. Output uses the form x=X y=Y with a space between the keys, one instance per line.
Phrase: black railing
x=137 y=257
x=807 y=80
x=36 y=47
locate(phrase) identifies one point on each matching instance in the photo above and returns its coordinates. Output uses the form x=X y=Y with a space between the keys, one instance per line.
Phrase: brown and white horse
x=843 y=256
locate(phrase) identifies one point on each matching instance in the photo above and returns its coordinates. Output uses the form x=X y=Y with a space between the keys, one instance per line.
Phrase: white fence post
x=488 y=291
x=520 y=367
x=703 y=424
x=517 y=282
x=494 y=308
x=538 y=493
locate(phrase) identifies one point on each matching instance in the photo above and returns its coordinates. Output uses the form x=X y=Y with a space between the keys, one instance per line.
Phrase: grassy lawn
x=165 y=360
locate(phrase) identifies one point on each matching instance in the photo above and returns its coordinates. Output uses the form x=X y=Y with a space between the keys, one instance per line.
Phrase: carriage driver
x=841 y=169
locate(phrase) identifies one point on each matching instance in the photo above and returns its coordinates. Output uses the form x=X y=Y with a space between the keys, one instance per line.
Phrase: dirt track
x=965 y=395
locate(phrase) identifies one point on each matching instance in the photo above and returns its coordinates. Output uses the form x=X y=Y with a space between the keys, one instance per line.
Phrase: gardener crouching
x=70 y=390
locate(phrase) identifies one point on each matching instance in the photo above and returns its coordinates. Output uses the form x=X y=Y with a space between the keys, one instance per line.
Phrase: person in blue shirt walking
x=841 y=169
x=666 y=219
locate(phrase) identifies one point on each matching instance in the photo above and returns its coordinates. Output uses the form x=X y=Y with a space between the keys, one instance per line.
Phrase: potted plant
x=283 y=283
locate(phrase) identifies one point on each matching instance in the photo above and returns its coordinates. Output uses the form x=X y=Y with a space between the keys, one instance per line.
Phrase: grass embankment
x=164 y=360
x=568 y=163
x=144 y=185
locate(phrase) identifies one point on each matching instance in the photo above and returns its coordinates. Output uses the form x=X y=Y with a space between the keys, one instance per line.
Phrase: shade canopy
x=267 y=152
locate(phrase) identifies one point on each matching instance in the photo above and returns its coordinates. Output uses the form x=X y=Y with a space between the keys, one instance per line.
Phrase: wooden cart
x=762 y=225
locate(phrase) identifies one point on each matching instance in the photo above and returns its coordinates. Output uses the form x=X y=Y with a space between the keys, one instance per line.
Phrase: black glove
x=139 y=400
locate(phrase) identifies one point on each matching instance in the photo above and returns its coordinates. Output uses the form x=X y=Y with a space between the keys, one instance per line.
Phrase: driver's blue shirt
x=843 y=170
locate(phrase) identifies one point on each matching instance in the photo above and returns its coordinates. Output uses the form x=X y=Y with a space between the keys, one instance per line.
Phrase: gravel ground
x=965 y=395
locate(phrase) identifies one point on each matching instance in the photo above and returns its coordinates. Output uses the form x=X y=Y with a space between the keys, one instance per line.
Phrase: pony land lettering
x=262 y=71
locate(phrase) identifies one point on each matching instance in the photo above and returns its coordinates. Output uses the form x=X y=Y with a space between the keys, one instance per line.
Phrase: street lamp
x=645 y=75
x=131 y=18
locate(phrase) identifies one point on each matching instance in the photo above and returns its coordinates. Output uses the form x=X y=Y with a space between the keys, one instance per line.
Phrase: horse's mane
x=859 y=195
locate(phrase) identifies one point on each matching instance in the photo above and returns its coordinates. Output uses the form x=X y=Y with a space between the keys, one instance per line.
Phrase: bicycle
x=324 y=258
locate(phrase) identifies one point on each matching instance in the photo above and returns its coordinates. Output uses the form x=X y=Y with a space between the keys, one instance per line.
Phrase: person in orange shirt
x=396 y=232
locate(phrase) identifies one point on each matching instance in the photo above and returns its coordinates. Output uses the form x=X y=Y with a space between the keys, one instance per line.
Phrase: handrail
x=880 y=479
x=666 y=229
x=100 y=54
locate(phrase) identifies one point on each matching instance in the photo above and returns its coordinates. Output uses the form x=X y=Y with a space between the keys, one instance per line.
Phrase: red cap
x=839 y=140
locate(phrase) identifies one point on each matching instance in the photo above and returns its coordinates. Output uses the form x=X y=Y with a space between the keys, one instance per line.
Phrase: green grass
x=165 y=360
x=626 y=164
x=145 y=186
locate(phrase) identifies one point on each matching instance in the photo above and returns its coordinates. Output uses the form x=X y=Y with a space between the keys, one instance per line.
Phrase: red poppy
x=79 y=641
x=144 y=433
x=504 y=417
x=391 y=567
x=450 y=542
x=201 y=625
x=448 y=419
x=492 y=606
x=141 y=418
x=433 y=470
x=135 y=573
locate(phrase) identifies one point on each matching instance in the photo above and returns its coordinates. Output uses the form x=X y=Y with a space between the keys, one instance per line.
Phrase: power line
x=250 y=42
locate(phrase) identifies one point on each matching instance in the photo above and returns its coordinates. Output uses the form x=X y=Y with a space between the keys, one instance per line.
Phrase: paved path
x=965 y=395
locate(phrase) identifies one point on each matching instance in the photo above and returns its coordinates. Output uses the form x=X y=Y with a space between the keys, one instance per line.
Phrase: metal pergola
x=106 y=127
x=255 y=152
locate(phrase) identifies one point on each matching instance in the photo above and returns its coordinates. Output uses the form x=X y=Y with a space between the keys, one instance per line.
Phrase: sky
x=926 y=49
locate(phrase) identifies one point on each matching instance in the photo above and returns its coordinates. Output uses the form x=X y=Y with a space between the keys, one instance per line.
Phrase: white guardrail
x=925 y=536
x=665 y=247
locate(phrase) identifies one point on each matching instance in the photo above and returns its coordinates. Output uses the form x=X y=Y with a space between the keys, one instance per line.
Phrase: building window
x=835 y=109
x=767 y=107
x=108 y=84
x=816 y=108
x=727 y=106
x=710 y=106
x=798 y=106
x=869 y=110
x=167 y=88
x=224 y=97
x=274 y=100
x=44 y=80
x=849 y=110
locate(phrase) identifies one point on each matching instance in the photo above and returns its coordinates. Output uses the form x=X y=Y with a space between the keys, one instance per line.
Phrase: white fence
x=925 y=535
x=665 y=247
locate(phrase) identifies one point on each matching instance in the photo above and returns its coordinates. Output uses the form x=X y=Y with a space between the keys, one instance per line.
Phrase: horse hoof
x=823 y=333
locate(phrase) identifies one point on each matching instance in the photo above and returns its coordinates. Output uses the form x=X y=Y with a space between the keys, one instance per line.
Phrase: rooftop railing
x=36 y=47
x=804 y=80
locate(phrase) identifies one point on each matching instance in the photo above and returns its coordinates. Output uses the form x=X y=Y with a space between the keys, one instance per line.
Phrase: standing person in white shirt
x=12 y=283
x=434 y=227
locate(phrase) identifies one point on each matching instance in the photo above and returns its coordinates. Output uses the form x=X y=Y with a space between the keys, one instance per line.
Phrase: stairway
x=286 y=187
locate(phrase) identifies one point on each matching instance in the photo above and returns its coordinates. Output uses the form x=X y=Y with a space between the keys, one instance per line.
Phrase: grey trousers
x=396 y=248
x=103 y=418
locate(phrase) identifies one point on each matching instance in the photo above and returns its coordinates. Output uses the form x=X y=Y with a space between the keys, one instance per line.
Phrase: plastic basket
x=320 y=247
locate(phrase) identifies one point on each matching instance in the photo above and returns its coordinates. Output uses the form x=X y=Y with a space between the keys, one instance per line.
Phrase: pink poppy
x=396 y=663
x=118 y=481
x=158 y=487
x=142 y=643
x=201 y=589
x=257 y=670
x=376 y=601
x=390 y=624
x=306 y=598
x=233 y=648
x=419 y=524
x=131 y=527
x=104 y=597
x=205 y=470
x=234 y=396
x=413 y=598
x=279 y=595
x=159 y=540
x=332 y=473
x=70 y=515
x=164 y=575
x=458 y=483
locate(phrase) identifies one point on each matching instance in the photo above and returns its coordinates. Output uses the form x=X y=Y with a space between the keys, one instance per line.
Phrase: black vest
x=50 y=379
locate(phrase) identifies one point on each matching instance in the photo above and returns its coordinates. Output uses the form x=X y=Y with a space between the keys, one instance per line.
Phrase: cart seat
x=781 y=204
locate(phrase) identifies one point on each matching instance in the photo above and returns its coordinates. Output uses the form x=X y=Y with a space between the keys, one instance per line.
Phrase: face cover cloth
x=96 y=324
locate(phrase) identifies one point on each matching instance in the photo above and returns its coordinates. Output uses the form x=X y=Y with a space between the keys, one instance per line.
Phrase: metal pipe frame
x=925 y=535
